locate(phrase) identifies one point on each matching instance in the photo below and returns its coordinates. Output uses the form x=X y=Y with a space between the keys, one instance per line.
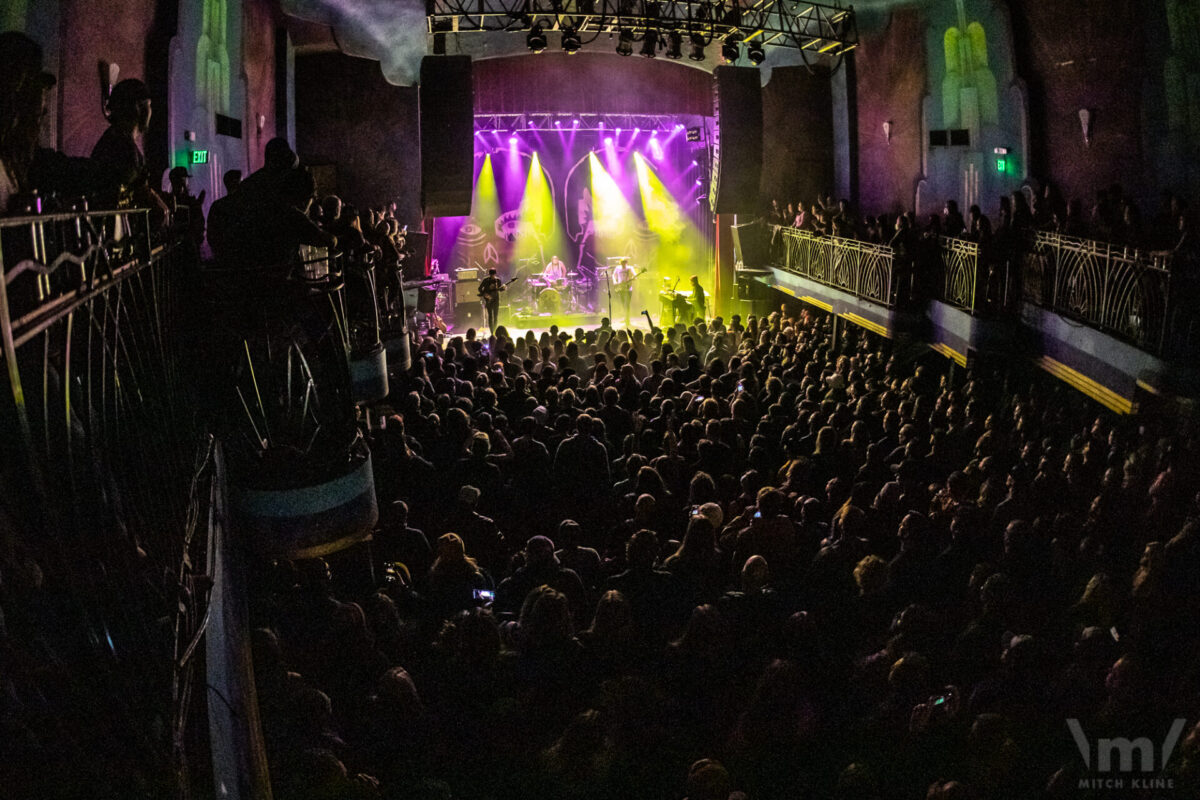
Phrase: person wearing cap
x=482 y=536
x=188 y=209
x=542 y=568
x=123 y=174
x=23 y=88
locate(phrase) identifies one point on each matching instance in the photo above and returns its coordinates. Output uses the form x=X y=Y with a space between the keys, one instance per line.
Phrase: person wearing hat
x=23 y=89
x=123 y=174
x=188 y=210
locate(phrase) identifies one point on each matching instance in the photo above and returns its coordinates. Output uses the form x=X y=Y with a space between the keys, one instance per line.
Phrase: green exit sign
x=1001 y=165
x=199 y=156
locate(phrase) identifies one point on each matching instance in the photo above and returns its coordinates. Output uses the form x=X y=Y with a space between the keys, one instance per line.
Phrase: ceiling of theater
x=393 y=32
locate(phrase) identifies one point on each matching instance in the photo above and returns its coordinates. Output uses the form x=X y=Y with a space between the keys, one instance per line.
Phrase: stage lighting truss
x=811 y=28
x=644 y=124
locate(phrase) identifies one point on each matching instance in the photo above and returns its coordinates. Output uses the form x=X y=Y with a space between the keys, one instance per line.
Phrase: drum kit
x=555 y=295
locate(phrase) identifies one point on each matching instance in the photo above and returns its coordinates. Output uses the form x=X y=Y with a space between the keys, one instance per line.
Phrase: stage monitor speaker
x=468 y=315
x=466 y=291
x=447 y=118
x=737 y=142
x=750 y=244
x=416 y=246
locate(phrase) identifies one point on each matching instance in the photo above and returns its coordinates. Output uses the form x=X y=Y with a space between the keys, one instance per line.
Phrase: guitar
x=627 y=284
x=488 y=297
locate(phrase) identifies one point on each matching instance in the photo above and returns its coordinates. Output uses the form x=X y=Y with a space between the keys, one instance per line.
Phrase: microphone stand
x=608 y=288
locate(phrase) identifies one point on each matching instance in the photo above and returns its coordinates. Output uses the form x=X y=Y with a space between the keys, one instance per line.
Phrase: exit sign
x=1001 y=165
x=199 y=156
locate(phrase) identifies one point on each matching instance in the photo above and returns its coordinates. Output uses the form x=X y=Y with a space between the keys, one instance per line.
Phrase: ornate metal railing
x=102 y=471
x=860 y=268
x=1118 y=290
x=961 y=274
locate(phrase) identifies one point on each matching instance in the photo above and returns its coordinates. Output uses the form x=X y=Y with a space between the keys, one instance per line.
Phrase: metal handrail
x=860 y=268
x=1121 y=291
x=98 y=422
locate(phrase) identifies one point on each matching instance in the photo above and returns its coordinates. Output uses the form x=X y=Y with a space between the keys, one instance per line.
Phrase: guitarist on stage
x=622 y=281
x=489 y=294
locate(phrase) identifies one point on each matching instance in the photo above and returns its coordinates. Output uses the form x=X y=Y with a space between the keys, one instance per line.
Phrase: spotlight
x=649 y=44
x=674 y=45
x=754 y=52
x=570 y=40
x=729 y=49
x=697 y=45
x=535 y=40
x=625 y=43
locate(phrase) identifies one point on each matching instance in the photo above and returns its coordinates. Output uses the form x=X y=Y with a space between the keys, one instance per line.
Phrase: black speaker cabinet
x=416 y=243
x=737 y=142
x=447 y=117
x=751 y=244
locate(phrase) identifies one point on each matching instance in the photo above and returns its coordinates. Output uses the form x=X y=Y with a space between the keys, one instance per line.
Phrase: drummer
x=555 y=272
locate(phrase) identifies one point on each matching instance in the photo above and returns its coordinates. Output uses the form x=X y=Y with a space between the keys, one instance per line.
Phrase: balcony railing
x=960 y=265
x=1121 y=291
x=862 y=269
x=103 y=490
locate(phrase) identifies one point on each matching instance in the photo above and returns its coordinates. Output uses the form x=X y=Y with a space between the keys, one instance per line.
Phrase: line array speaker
x=447 y=120
x=737 y=142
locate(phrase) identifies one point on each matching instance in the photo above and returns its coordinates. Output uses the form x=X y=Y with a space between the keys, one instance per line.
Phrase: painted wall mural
x=975 y=115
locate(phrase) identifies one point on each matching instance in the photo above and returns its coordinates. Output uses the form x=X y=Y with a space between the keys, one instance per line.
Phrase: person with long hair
x=455 y=577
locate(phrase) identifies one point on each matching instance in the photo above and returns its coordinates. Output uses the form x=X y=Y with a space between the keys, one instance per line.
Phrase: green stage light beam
x=615 y=221
x=680 y=244
x=539 y=236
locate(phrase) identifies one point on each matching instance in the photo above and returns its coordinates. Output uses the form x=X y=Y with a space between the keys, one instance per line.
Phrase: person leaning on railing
x=904 y=254
x=123 y=172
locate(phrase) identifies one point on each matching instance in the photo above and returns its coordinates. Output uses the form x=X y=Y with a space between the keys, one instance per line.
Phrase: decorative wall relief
x=975 y=114
x=212 y=58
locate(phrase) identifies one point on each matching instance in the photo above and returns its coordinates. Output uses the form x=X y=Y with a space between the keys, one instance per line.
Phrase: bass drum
x=549 y=302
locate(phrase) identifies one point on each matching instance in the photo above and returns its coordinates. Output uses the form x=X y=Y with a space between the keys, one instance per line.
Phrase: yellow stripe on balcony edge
x=1097 y=391
x=950 y=353
x=863 y=322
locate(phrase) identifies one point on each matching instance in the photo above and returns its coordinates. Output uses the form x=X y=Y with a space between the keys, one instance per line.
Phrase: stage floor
x=518 y=324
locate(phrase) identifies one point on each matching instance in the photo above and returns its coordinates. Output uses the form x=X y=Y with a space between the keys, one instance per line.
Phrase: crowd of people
x=736 y=558
x=746 y=559
x=1113 y=217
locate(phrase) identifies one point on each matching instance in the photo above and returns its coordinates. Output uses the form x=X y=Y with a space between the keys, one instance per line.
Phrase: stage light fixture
x=729 y=49
x=535 y=40
x=650 y=44
x=570 y=40
x=625 y=43
x=754 y=52
x=674 y=45
x=697 y=45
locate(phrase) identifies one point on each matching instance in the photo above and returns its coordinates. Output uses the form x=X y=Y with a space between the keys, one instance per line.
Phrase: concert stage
x=588 y=190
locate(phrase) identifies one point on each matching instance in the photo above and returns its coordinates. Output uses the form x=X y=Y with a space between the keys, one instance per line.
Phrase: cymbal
x=572 y=274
